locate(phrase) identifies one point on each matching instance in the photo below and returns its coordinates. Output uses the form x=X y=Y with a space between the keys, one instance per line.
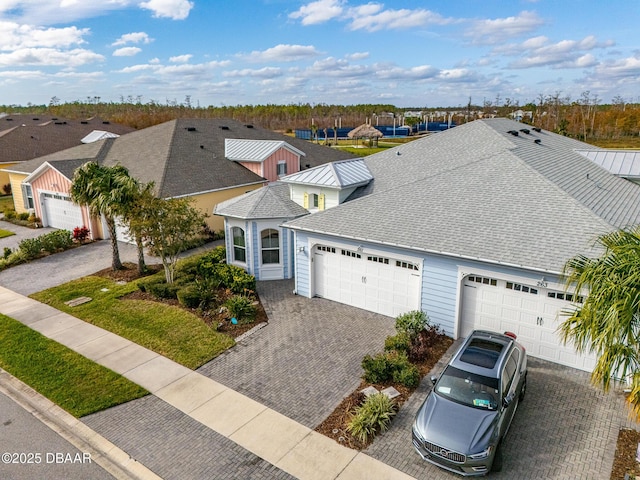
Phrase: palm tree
x=608 y=322
x=133 y=214
x=104 y=190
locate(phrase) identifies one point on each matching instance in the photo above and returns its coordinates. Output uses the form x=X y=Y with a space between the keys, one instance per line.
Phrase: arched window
x=270 y=246
x=239 y=248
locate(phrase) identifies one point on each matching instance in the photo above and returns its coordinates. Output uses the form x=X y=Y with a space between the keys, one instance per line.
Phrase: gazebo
x=366 y=131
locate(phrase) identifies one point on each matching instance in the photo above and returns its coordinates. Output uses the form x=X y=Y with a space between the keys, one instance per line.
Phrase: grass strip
x=5 y=233
x=75 y=383
x=166 y=329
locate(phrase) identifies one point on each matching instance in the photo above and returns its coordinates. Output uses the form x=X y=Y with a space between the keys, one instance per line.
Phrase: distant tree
x=607 y=323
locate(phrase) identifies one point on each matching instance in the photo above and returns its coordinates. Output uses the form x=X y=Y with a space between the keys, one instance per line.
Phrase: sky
x=420 y=54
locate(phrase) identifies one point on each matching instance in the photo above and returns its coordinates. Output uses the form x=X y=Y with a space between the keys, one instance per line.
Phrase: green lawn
x=5 y=233
x=6 y=201
x=168 y=330
x=65 y=377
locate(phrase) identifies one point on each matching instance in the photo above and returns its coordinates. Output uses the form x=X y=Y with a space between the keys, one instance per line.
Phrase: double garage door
x=378 y=283
x=529 y=311
x=60 y=212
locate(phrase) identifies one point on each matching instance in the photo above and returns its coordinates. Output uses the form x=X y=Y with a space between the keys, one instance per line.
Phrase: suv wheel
x=523 y=390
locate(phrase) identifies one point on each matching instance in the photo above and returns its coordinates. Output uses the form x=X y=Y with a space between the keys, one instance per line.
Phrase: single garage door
x=61 y=212
x=531 y=312
x=378 y=283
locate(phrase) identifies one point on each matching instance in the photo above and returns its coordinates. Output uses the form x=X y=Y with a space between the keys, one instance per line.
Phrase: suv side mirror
x=434 y=379
x=506 y=401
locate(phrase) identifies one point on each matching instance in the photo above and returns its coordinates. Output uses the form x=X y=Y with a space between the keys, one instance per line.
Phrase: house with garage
x=208 y=160
x=473 y=226
x=24 y=137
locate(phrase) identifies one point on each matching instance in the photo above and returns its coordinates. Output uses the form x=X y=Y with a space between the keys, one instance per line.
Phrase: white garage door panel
x=529 y=312
x=365 y=281
x=61 y=212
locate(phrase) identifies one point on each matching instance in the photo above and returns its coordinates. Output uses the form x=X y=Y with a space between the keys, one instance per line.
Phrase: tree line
x=585 y=118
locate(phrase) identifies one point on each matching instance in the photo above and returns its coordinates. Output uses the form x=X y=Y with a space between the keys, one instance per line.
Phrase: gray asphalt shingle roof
x=478 y=192
x=270 y=201
x=184 y=156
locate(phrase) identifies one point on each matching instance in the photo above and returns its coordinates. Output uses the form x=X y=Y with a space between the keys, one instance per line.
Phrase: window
x=324 y=248
x=484 y=280
x=509 y=372
x=349 y=253
x=239 y=247
x=522 y=288
x=409 y=265
x=270 y=246
x=314 y=200
x=282 y=168
x=27 y=195
x=566 y=296
x=378 y=260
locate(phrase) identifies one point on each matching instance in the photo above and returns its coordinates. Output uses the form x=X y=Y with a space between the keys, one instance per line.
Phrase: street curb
x=111 y=458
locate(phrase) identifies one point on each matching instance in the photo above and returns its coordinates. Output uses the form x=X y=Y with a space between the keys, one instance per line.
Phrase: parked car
x=462 y=423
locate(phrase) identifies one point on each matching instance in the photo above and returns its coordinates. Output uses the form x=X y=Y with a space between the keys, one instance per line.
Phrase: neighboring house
x=622 y=163
x=24 y=137
x=184 y=158
x=473 y=226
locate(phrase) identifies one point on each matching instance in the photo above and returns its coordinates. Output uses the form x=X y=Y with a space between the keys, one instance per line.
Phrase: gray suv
x=463 y=421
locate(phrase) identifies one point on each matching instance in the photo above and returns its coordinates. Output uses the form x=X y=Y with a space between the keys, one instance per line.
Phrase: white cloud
x=50 y=57
x=358 y=56
x=135 y=37
x=539 y=52
x=266 y=72
x=14 y=36
x=284 y=53
x=421 y=72
x=126 y=52
x=496 y=31
x=173 y=9
x=180 y=58
x=319 y=11
x=372 y=18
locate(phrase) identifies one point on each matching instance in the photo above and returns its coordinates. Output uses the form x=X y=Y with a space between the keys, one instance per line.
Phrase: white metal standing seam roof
x=624 y=163
x=341 y=174
x=242 y=150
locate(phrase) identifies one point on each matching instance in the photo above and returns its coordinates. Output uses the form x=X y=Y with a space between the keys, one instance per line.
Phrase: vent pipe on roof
x=249 y=126
x=525 y=131
x=536 y=129
x=538 y=141
x=223 y=127
x=513 y=132
x=190 y=129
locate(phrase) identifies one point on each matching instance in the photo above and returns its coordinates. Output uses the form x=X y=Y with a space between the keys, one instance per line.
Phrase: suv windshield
x=468 y=389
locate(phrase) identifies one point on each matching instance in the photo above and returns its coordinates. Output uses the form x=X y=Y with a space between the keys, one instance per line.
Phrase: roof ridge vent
x=223 y=127
x=190 y=129
x=513 y=132
x=525 y=131
x=248 y=125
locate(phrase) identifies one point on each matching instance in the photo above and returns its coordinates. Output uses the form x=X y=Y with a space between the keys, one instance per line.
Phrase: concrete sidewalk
x=286 y=444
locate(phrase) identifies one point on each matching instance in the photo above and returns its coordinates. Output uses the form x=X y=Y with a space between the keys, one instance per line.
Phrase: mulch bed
x=335 y=425
x=129 y=272
x=624 y=461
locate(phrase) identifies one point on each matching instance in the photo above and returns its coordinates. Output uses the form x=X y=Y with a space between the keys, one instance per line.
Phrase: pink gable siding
x=269 y=167
x=53 y=181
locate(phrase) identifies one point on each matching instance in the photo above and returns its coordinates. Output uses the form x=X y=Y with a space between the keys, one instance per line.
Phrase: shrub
x=10 y=214
x=31 y=247
x=408 y=375
x=390 y=366
x=80 y=234
x=400 y=342
x=189 y=296
x=56 y=240
x=373 y=416
x=6 y=188
x=412 y=323
x=7 y=252
x=210 y=261
x=24 y=216
x=242 y=308
x=163 y=290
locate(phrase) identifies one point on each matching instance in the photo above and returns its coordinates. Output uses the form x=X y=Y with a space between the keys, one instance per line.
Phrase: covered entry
x=376 y=282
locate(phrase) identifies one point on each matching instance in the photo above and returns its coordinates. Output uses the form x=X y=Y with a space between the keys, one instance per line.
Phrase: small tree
x=168 y=226
x=608 y=321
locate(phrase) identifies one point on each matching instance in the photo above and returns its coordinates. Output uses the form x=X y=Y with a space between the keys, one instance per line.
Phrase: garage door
x=378 y=283
x=61 y=212
x=531 y=312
